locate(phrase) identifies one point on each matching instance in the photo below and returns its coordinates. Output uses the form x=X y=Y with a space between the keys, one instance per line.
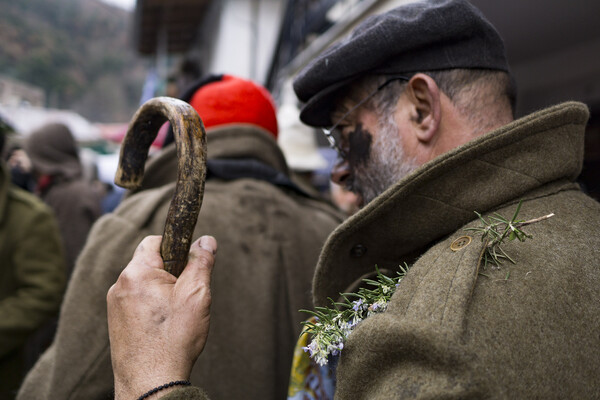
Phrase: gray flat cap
x=421 y=36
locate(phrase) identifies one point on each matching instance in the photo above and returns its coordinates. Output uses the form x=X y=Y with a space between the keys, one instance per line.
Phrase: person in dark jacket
x=32 y=275
x=20 y=167
x=270 y=230
x=418 y=103
x=60 y=183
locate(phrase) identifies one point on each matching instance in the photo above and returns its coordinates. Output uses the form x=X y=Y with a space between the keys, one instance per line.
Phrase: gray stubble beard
x=386 y=165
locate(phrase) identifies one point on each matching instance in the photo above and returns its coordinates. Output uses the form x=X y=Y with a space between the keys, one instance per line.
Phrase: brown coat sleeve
x=187 y=393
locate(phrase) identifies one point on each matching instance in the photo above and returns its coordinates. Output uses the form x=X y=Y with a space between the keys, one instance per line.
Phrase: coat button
x=358 y=251
x=461 y=242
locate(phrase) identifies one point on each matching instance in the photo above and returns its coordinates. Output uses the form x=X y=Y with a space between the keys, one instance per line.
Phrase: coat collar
x=245 y=141
x=230 y=141
x=540 y=153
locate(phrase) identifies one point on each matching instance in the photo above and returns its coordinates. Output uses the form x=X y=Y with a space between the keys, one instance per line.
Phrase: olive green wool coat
x=269 y=242
x=32 y=276
x=529 y=330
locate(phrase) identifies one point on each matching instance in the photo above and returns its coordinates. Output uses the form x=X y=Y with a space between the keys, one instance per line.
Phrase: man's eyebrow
x=341 y=110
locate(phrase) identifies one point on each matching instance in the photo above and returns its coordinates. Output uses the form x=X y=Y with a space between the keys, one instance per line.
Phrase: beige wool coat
x=269 y=242
x=529 y=330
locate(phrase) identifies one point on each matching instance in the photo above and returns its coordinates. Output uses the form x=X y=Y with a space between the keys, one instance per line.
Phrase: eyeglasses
x=333 y=134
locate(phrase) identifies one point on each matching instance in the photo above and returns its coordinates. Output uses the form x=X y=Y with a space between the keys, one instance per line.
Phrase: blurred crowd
x=63 y=194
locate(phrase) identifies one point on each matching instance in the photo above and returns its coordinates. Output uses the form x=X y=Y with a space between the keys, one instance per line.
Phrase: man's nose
x=340 y=172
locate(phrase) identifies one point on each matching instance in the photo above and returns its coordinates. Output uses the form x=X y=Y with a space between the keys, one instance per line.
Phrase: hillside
x=79 y=51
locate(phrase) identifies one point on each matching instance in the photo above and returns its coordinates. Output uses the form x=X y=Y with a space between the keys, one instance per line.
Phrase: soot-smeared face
x=375 y=160
x=359 y=142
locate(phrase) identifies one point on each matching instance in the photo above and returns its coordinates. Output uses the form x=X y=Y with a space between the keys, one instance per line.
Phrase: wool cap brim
x=421 y=36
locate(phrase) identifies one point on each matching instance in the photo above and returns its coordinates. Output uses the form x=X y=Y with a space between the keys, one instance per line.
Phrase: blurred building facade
x=552 y=46
x=14 y=92
x=226 y=36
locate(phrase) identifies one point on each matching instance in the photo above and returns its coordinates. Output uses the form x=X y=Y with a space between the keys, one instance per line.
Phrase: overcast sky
x=126 y=4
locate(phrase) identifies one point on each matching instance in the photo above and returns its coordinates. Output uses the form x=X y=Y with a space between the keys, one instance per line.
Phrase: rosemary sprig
x=496 y=229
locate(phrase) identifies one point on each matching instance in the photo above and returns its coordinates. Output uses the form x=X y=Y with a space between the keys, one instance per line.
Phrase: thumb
x=200 y=262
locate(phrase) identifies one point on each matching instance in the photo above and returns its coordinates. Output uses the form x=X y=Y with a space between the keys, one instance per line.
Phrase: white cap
x=296 y=140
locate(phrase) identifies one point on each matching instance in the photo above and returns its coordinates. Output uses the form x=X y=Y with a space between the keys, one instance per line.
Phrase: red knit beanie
x=234 y=100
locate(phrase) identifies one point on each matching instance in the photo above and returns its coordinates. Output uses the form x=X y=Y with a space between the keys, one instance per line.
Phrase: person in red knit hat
x=270 y=232
x=226 y=99
x=234 y=100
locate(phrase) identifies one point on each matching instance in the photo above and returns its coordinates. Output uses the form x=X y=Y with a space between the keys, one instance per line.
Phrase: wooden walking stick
x=190 y=140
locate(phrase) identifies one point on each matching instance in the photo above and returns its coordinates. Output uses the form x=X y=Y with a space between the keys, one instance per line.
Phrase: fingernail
x=207 y=243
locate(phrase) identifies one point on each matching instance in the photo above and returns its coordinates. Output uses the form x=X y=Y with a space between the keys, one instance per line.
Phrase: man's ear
x=424 y=94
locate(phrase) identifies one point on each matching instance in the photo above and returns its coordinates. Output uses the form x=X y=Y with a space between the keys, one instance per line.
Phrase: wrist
x=136 y=377
x=149 y=388
x=163 y=389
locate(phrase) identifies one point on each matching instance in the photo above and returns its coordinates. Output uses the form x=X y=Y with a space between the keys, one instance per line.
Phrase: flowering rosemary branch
x=333 y=325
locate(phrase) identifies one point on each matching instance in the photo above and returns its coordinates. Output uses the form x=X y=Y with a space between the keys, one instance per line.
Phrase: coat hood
x=53 y=151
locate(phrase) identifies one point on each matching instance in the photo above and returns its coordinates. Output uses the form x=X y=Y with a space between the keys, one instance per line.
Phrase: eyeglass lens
x=333 y=134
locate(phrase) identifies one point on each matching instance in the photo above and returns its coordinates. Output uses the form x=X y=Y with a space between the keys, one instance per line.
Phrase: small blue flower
x=357 y=304
x=354 y=322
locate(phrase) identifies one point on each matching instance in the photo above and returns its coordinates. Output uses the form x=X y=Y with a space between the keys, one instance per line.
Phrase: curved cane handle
x=190 y=140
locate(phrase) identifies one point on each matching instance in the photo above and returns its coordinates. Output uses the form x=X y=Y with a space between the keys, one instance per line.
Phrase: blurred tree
x=77 y=51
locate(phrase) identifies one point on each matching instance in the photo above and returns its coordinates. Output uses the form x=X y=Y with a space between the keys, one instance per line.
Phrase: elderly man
x=418 y=102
